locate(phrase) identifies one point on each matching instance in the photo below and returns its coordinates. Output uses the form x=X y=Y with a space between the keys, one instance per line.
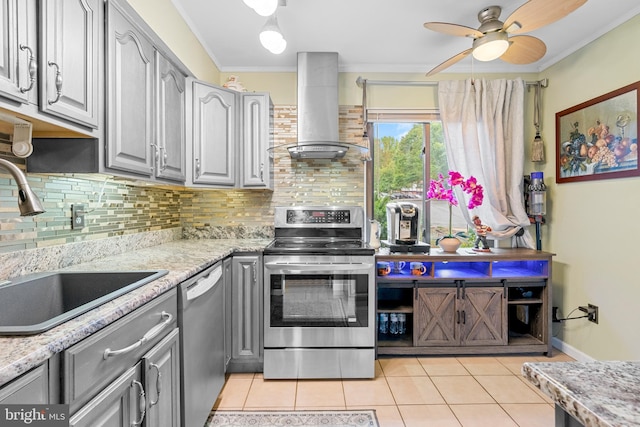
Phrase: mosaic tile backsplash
x=117 y=207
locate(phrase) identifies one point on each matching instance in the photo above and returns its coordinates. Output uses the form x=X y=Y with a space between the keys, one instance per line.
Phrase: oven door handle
x=290 y=268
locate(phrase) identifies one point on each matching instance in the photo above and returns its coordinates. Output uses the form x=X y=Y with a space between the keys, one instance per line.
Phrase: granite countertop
x=595 y=393
x=182 y=258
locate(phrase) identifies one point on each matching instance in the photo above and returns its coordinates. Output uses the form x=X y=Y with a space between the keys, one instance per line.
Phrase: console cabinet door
x=130 y=67
x=70 y=46
x=162 y=382
x=437 y=317
x=170 y=132
x=485 y=316
x=18 y=57
x=121 y=404
x=247 y=309
x=214 y=135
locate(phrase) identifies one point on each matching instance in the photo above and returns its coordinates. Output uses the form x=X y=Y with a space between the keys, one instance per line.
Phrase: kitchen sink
x=38 y=302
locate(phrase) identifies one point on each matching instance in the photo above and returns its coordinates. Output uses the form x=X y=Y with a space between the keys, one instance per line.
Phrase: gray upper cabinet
x=130 y=57
x=214 y=135
x=146 y=100
x=18 y=41
x=257 y=138
x=170 y=131
x=70 y=59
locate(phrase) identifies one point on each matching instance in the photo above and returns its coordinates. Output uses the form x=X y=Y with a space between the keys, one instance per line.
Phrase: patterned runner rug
x=363 y=418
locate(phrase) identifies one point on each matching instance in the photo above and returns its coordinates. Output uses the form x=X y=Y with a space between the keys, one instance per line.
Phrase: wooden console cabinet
x=466 y=303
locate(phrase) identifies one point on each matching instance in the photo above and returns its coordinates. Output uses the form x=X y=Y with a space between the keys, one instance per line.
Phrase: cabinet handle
x=33 y=69
x=151 y=334
x=262 y=171
x=142 y=403
x=458 y=317
x=158 y=384
x=197 y=168
x=58 y=83
x=163 y=160
x=254 y=272
x=464 y=317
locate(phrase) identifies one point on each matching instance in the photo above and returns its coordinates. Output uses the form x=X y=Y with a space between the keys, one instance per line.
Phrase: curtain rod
x=359 y=81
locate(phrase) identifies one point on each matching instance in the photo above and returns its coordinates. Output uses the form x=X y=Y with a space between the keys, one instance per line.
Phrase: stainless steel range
x=319 y=295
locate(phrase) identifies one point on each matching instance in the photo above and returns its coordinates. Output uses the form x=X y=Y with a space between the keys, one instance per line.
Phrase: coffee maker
x=402 y=223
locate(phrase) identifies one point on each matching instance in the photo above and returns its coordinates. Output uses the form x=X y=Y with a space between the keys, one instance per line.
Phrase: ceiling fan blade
x=538 y=13
x=453 y=29
x=449 y=62
x=524 y=50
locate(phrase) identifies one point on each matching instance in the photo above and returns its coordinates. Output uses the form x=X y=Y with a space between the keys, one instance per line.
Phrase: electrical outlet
x=77 y=216
x=592 y=313
x=554 y=316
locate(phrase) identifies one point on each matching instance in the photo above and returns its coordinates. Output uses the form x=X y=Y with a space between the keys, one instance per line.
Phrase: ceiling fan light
x=490 y=47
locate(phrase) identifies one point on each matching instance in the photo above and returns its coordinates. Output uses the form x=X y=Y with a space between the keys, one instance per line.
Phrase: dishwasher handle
x=204 y=284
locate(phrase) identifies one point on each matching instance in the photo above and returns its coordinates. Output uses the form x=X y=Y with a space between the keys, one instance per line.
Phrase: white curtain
x=484 y=131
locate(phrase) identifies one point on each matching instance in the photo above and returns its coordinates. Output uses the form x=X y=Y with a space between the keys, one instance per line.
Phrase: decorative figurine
x=481 y=233
x=234 y=84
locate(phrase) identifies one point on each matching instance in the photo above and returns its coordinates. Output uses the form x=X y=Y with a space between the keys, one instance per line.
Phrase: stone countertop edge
x=597 y=394
x=182 y=258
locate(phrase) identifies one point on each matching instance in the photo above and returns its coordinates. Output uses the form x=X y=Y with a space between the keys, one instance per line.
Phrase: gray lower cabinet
x=247 y=315
x=128 y=371
x=227 y=267
x=71 y=39
x=30 y=388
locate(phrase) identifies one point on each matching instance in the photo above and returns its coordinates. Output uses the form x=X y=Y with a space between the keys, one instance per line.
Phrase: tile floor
x=412 y=391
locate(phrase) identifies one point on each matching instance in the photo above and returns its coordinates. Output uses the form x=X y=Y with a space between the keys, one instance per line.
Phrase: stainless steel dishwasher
x=201 y=319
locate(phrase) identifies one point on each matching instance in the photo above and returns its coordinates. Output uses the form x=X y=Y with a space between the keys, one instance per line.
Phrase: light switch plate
x=77 y=216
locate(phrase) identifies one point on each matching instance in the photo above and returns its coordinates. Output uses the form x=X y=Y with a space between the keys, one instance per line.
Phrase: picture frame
x=598 y=139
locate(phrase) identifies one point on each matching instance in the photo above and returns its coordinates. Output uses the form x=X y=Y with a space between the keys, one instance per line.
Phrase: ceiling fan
x=493 y=38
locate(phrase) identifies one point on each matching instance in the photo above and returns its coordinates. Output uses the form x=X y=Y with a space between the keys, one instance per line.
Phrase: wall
x=593 y=225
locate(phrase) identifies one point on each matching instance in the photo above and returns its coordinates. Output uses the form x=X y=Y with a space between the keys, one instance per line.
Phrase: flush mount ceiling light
x=490 y=47
x=262 y=7
x=271 y=36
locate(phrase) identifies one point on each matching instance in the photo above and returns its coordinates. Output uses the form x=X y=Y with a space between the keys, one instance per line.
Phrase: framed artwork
x=598 y=139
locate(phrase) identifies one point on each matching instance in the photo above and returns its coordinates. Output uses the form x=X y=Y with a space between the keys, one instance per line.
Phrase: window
x=408 y=150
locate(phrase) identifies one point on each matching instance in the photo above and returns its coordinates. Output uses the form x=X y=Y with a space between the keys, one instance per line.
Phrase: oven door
x=319 y=301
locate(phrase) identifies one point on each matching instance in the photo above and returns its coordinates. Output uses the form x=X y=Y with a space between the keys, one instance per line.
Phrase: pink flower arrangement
x=439 y=191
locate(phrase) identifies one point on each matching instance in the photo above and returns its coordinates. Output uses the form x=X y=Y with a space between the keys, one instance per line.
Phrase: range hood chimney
x=318 y=135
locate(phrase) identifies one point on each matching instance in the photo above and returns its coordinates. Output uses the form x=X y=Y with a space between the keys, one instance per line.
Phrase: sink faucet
x=28 y=202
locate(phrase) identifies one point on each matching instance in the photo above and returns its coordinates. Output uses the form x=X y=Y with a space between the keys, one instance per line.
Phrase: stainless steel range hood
x=318 y=135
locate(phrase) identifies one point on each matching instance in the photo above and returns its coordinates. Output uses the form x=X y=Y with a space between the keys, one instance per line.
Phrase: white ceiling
x=383 y=35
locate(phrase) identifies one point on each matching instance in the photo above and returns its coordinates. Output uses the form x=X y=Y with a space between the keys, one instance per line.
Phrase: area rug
x=363 y=418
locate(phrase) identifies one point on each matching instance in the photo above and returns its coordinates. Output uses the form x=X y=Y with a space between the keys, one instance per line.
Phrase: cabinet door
x=170 y=131
x=121 y=404
x=30 y=388
x=18 y=41
x=214 y=137
x=162 y=382
x=246 y=309
x=227 y=266
x=484 y=320
x=257 y=125
x=70 y=44
x=437 y=317
x=130 y=95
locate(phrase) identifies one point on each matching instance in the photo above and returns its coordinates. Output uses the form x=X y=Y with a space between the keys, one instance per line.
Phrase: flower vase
x=449 y=244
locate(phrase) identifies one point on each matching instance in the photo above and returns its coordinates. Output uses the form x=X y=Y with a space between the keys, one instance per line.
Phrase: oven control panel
x=318 y=216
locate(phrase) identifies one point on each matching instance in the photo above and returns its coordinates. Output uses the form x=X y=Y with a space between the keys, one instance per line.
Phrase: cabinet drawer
x=32 y=387
x=87 y=367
